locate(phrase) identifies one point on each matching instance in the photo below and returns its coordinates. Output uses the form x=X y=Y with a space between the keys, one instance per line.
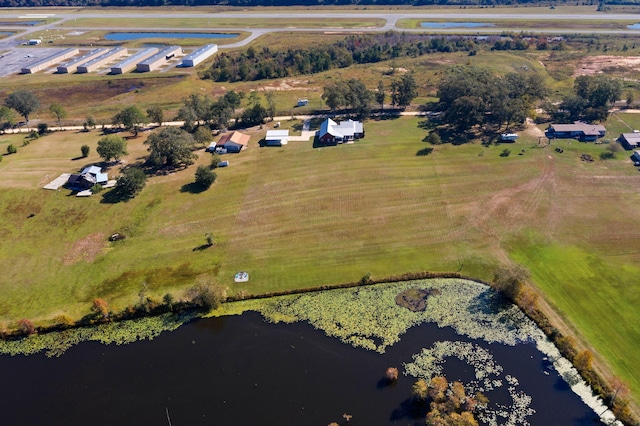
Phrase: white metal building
x=199 y=55
x=72 y=66
x=158 y=59
x=49 y=61
x=130 y=63
x=276 y=137
x=101 y=60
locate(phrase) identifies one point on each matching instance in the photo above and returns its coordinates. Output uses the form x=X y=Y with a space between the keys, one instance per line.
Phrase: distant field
x=225 y=23
x=528 y=24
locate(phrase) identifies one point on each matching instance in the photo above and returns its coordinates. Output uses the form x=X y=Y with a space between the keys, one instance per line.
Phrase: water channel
x=241 y=370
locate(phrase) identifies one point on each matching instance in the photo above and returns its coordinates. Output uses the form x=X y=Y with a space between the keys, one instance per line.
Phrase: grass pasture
x=299 y=216
x=190 y=23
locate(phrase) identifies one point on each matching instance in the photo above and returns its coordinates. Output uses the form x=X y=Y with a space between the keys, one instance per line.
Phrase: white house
x=332 y=133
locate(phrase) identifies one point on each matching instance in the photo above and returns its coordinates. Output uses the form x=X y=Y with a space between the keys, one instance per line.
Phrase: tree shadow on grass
x=193 y=188
x=424 y=151
x=114 y=196
x=202 y=247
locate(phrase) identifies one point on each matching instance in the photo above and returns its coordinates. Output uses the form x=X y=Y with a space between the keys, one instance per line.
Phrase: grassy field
x=131 y=23
x=299 y=216
x=520 y=24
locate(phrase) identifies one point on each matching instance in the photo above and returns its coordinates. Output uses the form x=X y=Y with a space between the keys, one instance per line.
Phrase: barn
x=233 y=142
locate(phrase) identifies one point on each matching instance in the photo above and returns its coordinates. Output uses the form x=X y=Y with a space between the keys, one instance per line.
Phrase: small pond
x=138 y=36
x=243 y=370
x=634 y=26
x=444 y=25
x=21 y=23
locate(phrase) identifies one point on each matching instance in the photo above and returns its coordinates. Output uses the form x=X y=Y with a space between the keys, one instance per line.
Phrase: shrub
x=84 y=149
x=11 y=149
x=607 y=155
x=505 y=152
x=205 y=177
x=434 y=138
x=215 y=160
x=206 y=296
x=26 y=327
x=34 y=135
x=43 y=128
x=96 y=188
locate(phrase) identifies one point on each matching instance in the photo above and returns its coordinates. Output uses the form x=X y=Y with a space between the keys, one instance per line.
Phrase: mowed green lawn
x=298 y=216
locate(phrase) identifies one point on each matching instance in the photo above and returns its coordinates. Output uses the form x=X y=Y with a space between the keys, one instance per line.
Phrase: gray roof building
x=199 y=55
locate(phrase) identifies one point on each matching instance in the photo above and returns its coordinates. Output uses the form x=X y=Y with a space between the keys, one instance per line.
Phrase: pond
x=634 y=26
x=21 y=23
x=138 y=36
x=444 y=25
x=242 y=370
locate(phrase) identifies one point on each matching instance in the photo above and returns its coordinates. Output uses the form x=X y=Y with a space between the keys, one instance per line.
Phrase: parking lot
x=13 y=60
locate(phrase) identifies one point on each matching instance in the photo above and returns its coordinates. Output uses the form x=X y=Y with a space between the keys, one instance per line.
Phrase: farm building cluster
x=144 y=60
x=83 y=182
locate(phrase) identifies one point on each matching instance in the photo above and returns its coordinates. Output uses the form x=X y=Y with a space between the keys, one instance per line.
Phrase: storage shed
x=630 y=140
x=276 y=137
x=49 y=61
x=158 y=59
x=131 y=62
x=233 y=142
x=199 y=55
x=102 y=60
x=72 y=66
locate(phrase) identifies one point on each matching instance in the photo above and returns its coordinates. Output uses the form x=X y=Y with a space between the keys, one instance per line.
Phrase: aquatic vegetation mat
x=119 y=333
x=375 y=317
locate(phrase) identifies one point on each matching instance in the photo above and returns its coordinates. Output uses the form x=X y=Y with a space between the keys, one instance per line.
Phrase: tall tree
x=380 y=95
x=23 y=101
x=112 y=147
x=131 y=118
x=155 y=114
x=271 y=105
x=404 y=91
x=58 y=112
x=131 y=182
x=171 y=147
x=359 y=98
x=7 y=117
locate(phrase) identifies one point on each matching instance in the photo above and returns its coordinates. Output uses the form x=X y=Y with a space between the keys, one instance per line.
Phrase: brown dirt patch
x=87 y=249
x=592 y=65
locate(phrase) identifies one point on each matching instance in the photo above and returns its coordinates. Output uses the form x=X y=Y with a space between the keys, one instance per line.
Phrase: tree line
x=266 y=63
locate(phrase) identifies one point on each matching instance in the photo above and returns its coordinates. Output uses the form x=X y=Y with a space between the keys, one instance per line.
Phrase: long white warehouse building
x=194 y=58
x=158 y=59
x=72 y=66
x=130 y=63
x=49 y=60
x=101 y=60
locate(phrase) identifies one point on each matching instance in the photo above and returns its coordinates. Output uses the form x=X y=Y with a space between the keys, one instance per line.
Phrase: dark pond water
x=243 y=371
x=138 y=36
x=442 y=25
x=22 y=23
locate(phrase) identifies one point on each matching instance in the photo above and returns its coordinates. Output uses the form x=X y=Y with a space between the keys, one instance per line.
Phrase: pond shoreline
x=568 y=349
